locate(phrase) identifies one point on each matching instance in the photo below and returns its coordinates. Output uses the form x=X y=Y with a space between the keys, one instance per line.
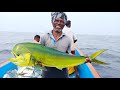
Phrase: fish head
x=22 y=57
x=23 y=60
x=19 y=49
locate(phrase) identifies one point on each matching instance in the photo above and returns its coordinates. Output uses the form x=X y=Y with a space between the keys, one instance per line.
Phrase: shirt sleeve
x=42 y=40
x=74 y=37
x=69 y=47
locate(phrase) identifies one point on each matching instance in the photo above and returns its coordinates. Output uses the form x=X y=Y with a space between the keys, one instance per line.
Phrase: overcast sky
x=98 y=23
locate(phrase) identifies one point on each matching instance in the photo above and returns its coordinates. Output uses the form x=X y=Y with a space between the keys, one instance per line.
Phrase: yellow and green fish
x=31 y=54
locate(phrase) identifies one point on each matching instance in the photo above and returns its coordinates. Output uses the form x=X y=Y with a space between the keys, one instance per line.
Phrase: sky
x=93 y=23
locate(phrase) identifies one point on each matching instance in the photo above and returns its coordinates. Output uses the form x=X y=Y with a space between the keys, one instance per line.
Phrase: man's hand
x=39 y=63
x=76 y=71
x=77 y=76
x=88 y=59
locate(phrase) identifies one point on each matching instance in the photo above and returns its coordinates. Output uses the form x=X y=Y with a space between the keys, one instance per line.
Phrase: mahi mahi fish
x=31 y=54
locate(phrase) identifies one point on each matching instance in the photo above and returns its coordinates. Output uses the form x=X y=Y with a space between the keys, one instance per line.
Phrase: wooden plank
x=94 y=72
x=3 y=63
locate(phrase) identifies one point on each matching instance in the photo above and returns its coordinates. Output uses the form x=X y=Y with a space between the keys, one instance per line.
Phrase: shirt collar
x=51 y=35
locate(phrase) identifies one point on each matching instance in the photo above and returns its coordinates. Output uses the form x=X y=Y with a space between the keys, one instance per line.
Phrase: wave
x=9 y=43
x=116 y=51
x=28 y=39
x=108 y=54
x=5 y=51
x=88 y=48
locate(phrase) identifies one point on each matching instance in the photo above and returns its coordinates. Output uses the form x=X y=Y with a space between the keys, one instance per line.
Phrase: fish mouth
x=21 y=60
x=14 y=54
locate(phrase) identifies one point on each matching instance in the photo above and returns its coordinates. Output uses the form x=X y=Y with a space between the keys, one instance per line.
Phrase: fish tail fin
x=94 y=55
x=99 y=62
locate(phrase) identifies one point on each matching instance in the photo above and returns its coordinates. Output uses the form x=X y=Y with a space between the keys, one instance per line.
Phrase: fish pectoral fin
x=27 y=58
x=60 y=68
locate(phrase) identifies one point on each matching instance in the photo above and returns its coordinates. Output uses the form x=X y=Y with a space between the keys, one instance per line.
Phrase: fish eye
x=18 y=54
x=14 y=55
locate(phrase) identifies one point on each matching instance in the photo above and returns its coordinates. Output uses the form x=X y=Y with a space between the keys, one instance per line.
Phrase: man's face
x=58 y=24
x=37 y=39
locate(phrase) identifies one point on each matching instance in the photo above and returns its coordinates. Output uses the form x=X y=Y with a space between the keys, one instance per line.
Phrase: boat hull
x=85 y=70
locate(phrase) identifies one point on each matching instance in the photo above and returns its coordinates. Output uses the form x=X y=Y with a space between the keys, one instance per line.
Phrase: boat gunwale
x=4 y=63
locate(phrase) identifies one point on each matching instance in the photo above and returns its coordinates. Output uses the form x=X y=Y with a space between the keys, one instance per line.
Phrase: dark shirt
x=53 y=72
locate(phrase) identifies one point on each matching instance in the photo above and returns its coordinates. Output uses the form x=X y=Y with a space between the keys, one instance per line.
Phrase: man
x=67 y=30
x=58 y=40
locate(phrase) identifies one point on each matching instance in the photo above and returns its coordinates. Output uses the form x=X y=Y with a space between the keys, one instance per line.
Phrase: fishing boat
x=85 y=70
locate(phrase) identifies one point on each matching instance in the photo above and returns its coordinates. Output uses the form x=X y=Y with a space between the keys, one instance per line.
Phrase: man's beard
x=58 y=31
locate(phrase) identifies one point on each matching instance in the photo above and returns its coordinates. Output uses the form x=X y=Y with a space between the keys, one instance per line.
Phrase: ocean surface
x=87 y=43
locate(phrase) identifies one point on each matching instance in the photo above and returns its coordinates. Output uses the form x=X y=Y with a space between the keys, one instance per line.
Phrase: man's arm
x=76 y=71
x=74 y=38
x=69 y=47
x=43 y=39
